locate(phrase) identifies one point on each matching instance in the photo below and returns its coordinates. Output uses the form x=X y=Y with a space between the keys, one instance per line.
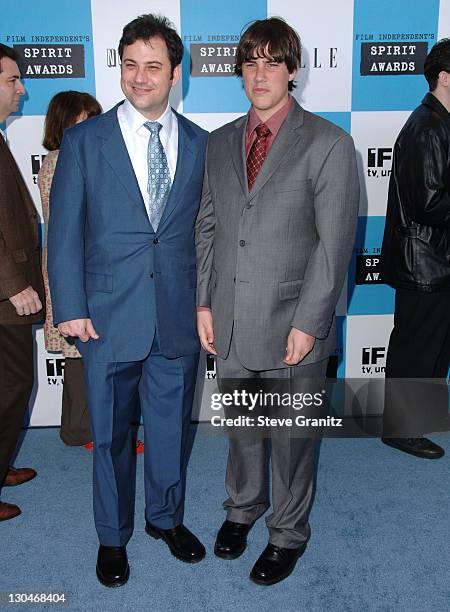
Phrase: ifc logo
x=55 y=371
x=370 y=357
x=376 y=159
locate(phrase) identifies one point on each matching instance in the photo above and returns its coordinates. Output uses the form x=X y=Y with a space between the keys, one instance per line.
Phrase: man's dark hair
x=6 y=51
x=149 y=26
x=437 y=60
x=273 y=39
x=63 y=111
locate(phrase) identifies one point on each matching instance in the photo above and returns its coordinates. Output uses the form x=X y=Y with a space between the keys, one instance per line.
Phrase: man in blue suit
x=122 y=275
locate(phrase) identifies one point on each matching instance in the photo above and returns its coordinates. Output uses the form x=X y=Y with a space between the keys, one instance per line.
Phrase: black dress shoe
x=112 y=565
x=419 y=447
x=231 y=540
x=275 y=564
x=183 y=544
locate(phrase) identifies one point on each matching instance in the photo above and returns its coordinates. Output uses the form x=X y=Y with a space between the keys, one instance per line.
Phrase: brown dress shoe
x=8 y=511
x=18 y=476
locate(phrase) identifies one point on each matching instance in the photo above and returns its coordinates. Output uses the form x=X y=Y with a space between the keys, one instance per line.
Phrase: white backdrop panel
x=374 y=134
x=326 y=31
x=366 y=345
x=444 y=19
x=108 y=21
x=47 y=384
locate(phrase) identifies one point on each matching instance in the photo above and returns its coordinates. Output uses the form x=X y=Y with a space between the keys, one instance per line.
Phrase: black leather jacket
x=416 y=244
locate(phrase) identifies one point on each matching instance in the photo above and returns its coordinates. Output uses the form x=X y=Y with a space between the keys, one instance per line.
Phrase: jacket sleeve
x=336 y=201
x=429 y=178
x=66 y=237
x=204 y=240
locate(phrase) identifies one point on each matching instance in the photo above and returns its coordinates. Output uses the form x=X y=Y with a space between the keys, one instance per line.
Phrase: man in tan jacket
x=21 y=288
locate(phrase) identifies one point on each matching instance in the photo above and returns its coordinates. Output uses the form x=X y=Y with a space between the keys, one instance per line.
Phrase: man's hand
x=205 y=330
x=299 y=344
x=78 y=328
x=26 y=302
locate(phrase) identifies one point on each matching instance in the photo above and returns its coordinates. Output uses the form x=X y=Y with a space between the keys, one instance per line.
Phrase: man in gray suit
x=274 y=236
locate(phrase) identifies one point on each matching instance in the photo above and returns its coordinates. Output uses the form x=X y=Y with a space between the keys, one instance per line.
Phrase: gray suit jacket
x=276 y=257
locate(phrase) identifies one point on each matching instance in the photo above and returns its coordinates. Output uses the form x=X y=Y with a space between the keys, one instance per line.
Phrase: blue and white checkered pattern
x=360 y=69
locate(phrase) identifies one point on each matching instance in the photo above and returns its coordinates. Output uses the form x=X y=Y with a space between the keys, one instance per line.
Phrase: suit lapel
x=115 y=152
x=287 y=138
x=236 y=141
x=186 y=157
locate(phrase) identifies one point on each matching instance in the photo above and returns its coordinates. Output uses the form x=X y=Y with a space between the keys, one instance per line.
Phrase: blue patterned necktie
x=158 y=185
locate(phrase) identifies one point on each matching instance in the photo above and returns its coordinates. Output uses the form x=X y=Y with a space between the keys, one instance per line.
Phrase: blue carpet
x=380 y=536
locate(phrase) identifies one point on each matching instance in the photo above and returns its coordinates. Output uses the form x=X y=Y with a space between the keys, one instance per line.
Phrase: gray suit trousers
x=293 y=463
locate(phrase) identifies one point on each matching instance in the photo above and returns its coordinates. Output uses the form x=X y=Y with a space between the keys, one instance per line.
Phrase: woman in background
x=65 y=109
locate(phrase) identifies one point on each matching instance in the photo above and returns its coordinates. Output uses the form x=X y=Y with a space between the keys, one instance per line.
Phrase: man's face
x=146 y=76
x=11 y=87
x=266 y=84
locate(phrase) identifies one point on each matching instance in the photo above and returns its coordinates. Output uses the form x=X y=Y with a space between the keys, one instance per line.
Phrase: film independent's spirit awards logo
x=368 y=266
x=50 y=57
x=393 y=54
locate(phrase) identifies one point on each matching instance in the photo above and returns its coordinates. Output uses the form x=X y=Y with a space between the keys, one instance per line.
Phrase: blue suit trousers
x=164 y=388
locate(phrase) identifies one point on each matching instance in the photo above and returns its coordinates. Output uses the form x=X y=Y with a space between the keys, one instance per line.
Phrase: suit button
x=151 y=274
x=241 y=242
x=155 y=241
x=234 y=280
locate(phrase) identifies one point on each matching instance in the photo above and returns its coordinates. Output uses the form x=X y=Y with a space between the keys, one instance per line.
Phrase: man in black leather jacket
x=416 y=257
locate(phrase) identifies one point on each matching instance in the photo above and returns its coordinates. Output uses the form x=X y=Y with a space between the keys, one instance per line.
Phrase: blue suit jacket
x=104 y=259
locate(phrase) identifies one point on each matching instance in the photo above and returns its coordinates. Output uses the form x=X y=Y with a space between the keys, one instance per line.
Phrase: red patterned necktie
x=257 y=153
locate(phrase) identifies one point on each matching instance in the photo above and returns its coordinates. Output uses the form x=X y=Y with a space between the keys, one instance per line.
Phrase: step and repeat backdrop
x=362 y=69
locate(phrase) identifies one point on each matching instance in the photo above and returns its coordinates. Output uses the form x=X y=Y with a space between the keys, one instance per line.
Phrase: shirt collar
x=273 y=123
x=135 y=120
